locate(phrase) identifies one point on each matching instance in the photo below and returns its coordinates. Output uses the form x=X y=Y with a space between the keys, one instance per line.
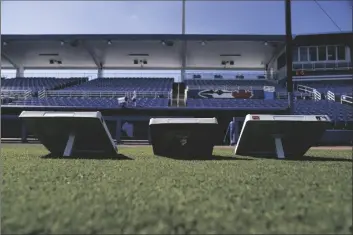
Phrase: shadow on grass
x=209 y=158
x=309 y=159
x=89 y=157
x=319 y=159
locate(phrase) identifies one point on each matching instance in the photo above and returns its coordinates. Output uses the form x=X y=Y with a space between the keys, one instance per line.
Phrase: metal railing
x=225 y=75
x=330 y=96
x=345 y=99
x=104 y=94
x=41 y=94
x=142 y=74
x=58 y=74
x=314 y=66
x=224 y=87
x=316 y=95
x=16 y=94
x=208 y=87
x=305 y=89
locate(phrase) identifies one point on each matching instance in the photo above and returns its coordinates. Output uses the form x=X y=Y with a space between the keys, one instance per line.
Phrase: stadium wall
x=13 y=128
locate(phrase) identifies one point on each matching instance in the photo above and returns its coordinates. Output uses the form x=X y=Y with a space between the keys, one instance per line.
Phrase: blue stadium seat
x=36 y=84
x=126 y=85
x=238 y=104
x=335 y=110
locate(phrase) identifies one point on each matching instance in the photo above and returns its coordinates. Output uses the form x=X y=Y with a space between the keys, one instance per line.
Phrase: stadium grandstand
x=176 y=131
x=223 y=76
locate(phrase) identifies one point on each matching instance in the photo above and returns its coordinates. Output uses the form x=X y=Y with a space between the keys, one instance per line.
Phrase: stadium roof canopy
x=193 y=52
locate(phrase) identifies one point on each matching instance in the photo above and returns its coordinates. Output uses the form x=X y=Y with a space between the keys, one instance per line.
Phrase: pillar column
x=183 y=53
x=20 y=72
x=100 y=73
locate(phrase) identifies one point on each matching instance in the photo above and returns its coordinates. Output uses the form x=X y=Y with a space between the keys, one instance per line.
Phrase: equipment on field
x=280 y=135
x=122 y=101
x=183 y=137
x=71 y=133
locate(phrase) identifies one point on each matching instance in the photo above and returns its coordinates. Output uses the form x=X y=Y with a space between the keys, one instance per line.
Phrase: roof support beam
x=183 y=55
x=183 y=45
x=146 y=68
x=8 y=59
x=93 y=56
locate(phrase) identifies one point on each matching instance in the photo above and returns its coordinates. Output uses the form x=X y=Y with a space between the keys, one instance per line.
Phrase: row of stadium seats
x=336 y=111
x=250 y=104
x=151 y=84
x=91 y=102
x=73 y=84
x=126 y=84
x=37 y=84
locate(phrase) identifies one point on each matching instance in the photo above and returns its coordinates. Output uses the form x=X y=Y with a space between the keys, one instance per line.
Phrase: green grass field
x=155 y=195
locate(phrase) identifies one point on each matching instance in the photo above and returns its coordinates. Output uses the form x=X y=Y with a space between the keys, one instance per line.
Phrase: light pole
x=289 y=54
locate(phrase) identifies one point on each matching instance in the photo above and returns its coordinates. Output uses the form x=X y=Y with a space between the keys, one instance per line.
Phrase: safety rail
x=224 y=87
x=203 y=74
x=41 y=94
x=316 y=95
x=345 y=99
x=17 y=94
x=315 y=66
x=208 y=87
x=330 y=96
x=305 y=89
x=107 y=94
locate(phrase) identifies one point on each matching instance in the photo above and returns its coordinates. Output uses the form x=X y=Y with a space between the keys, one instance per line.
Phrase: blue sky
x=164 y=17
x=202 y=17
